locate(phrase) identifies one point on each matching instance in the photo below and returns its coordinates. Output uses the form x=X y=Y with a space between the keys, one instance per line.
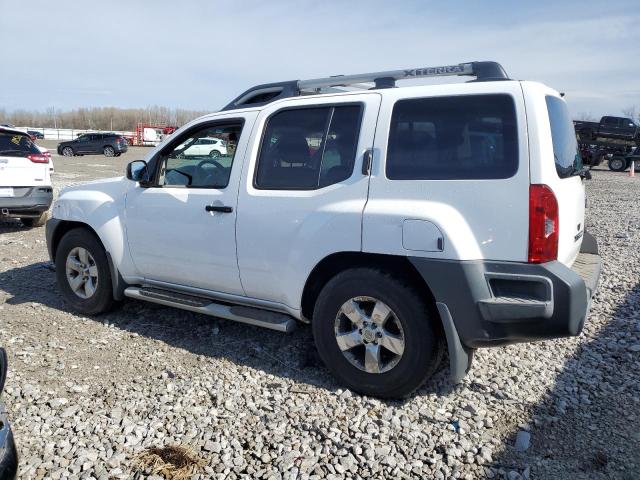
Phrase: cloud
x=200 y=54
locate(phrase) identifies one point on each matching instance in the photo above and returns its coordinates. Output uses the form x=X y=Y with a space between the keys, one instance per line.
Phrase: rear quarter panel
x=478 y=219
x=568 y=191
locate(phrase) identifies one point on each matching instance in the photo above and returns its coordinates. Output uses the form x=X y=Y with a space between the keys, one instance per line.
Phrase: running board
x=252 y=316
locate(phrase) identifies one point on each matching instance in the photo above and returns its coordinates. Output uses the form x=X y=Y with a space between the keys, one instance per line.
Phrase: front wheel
x=617 y=164
x=375 y=333
x=82 y=272
x=109 y=152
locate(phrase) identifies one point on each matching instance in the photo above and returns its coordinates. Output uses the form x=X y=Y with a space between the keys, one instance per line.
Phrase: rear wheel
x=67 y=152
x=35 y=221
x=109 y=152
x=617 y=164
x=375 y=333
x=82 y=272
x=214 y=154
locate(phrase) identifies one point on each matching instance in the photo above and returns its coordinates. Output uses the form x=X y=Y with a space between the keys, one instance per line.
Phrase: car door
x=304 y=190
x=181 y=229
x=608 y=126
x=82 y=144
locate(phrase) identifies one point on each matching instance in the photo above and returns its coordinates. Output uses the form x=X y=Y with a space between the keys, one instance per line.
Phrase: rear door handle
x=218 y=208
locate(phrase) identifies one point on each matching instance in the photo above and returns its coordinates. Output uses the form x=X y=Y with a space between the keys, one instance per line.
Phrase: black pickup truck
x=609 y=127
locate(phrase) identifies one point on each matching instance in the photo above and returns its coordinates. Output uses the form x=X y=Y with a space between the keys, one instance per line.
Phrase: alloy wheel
x=369 y=334
x=82 y=272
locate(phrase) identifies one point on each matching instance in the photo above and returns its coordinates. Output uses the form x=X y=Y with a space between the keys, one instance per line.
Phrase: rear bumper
x=28 y=202
x=498 y=303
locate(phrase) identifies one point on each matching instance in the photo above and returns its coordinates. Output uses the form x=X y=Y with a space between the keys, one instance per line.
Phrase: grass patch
x=172 y=462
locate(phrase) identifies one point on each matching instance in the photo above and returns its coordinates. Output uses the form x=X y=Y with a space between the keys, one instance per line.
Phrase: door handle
x=367 y=161
x=218 y=208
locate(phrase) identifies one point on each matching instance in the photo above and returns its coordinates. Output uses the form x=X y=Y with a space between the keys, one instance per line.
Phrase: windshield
x=16 y=145
x=565 y=147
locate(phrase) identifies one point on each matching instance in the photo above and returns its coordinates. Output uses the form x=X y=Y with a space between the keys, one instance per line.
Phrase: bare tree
x=631 y=112
x=586 y=116
x=99 y=118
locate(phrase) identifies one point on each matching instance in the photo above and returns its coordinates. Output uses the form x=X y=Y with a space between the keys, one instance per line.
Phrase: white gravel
x=87 y=394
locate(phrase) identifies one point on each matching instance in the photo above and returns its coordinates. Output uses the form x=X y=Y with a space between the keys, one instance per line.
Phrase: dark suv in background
x=109 y=144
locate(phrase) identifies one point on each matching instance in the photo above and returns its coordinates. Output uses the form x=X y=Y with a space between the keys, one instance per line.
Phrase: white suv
x=25 y=181
x=394 y=220
x=212 y=147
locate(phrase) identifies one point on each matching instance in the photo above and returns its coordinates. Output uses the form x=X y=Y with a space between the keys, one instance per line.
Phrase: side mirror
x=138 y=171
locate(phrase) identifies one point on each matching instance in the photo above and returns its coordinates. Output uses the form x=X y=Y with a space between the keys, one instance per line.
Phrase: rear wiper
x=11 y=150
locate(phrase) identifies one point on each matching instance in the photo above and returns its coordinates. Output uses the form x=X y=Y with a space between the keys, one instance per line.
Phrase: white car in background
x=206 y=147
x=25 y=178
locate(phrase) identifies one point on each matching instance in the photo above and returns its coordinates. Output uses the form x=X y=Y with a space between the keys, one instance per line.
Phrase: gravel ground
x=87 y=395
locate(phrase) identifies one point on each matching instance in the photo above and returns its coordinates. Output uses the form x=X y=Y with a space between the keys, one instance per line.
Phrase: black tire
x=423 y=343
x=109 y=151
x=617 y=164
x=102 y=300
x=68 y=152
x=35 y=221
x=214 y=154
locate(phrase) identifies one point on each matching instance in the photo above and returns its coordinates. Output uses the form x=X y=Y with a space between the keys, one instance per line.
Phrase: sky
x=199 y=54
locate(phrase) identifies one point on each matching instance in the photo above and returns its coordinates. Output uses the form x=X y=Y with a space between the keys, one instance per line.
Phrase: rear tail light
x=39 y=158
x=543 y=224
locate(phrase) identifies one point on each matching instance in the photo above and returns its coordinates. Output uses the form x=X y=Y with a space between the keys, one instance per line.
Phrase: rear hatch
x=556 y=162
x=21 y=163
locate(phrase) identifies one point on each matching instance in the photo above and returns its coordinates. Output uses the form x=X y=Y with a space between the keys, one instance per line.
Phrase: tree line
x=631 y=112
x=99 y=118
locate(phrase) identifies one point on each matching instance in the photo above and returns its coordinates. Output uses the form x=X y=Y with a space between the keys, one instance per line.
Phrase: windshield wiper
x=11 y=150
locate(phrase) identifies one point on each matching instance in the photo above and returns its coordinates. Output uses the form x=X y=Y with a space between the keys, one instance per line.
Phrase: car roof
x=14 y=131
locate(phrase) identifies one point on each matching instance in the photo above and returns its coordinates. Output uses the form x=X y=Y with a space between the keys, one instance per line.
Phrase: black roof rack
x=269 y=92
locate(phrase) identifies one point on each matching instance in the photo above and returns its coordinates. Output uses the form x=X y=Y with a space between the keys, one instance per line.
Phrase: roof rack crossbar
x=264 y=94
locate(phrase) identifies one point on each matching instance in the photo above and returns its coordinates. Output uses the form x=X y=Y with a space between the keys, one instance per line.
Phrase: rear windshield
x=460 y=137
x=16 y=145
x=563 y=136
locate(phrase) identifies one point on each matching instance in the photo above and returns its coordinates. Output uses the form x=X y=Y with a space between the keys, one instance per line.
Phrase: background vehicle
x=608 y=127
x=25 y=181
x=8 y=453
x=108 y=144
x=212 y=147
x=45 y=151
x=150 y=134
x=392 y=219
x=35 y=134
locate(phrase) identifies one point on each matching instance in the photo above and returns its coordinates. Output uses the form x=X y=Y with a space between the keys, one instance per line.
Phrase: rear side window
x=563 y=136
x=308 y=148
x=453 y=138
x=12 y=145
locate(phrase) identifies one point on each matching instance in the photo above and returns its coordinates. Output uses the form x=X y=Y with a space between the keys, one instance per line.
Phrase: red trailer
x=150 y=134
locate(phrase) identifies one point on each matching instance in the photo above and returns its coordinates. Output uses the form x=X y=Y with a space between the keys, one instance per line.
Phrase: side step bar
x=252 y=316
